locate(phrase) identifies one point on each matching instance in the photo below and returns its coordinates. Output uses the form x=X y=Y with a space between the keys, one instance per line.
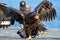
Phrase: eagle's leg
x=29 y=38
x=42 y=30
x=28 y=34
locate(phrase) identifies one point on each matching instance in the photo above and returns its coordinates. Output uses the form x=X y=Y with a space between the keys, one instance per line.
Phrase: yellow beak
x=22 y=3
x=27 y=6
x=37 y=17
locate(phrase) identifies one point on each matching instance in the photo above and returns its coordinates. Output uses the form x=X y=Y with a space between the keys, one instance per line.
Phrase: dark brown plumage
x=32 y=21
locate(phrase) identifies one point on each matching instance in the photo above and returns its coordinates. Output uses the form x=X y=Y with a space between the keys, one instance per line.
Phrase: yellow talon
x=43 y=33
x=36 y=17
x=29 y=38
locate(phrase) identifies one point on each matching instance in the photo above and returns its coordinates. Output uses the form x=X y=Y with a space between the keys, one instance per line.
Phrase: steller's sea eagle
x=32 y=21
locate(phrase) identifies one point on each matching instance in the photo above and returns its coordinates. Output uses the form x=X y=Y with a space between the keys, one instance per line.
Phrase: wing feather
x=46 y=11
x=14 y=13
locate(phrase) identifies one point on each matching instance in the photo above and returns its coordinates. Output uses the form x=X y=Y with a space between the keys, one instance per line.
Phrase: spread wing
x=46 y=11
x=8 y=11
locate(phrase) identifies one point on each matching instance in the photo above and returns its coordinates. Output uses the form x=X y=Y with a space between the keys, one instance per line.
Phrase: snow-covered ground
x=52 y=33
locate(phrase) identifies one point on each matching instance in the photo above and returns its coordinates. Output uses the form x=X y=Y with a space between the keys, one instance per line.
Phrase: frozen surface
x=10 y=34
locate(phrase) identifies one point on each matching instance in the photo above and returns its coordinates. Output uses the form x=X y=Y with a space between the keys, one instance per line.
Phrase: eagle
x=32 y=21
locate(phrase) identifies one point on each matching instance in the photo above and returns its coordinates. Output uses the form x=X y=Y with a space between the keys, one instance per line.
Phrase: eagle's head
x=22 y=3
x=22 y=6
x=28 y=9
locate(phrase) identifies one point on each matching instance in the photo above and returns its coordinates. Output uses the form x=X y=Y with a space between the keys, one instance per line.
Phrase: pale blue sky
x=33 y=3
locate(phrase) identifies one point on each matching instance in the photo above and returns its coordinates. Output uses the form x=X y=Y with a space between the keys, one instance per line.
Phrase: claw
x=30 y=38
x=43 y=33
